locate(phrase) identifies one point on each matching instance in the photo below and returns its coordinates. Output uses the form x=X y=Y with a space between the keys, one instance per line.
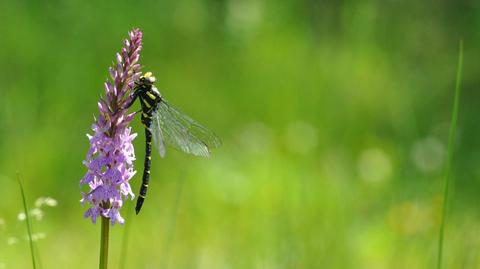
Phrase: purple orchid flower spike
x=110 y=158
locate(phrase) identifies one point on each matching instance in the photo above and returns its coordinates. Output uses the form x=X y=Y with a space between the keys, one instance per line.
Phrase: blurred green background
x=334 y=118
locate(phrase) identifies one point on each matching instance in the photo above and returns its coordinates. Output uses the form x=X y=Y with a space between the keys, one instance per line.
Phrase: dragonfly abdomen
x=146 y=170
x=149 y=102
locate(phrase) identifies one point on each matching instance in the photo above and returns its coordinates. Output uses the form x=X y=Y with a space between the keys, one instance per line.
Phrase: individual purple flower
x=110 y=158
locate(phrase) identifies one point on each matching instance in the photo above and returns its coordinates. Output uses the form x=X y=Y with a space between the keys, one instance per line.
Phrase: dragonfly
x=167 y=126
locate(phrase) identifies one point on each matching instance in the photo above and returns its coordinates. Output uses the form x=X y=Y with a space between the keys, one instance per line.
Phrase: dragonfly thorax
x=145 y=84
x=156 y=90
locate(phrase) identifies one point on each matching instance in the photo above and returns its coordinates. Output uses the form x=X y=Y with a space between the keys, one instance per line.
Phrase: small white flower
x=49 y=201
x=37 y=236
x=37 y=213
x=39 y=202
x=21 y=216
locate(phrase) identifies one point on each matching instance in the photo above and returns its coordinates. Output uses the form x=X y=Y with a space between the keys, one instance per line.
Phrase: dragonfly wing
x=156 y=131
x=182 y=132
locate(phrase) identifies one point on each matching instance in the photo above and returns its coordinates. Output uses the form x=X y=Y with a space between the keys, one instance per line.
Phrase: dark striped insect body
x=165 y=125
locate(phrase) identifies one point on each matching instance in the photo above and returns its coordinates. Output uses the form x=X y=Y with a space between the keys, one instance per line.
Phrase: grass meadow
x=335 y=119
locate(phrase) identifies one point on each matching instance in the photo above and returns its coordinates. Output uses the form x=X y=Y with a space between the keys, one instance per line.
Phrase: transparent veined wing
x=157 y=136
x=179 y=131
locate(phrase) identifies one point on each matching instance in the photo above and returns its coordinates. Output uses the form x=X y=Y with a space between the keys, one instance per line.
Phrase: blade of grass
x=451 y=140
x=27 y=218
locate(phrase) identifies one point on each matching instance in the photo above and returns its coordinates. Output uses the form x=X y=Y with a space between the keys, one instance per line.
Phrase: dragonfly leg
x=133 y=97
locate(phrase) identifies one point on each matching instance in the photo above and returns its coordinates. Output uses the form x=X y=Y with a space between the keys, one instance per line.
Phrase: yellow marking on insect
x=143 y=196
x=147 y=171
x=146 y=103
x=149 y=157
x=146 y=185
x=147 y=74
x=145 y=115
x=153 y=97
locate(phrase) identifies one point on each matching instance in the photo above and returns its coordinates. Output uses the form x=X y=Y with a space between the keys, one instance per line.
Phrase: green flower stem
x=104 y=243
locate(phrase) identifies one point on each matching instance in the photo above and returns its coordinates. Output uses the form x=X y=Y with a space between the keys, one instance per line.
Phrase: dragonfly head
x=146 y=80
